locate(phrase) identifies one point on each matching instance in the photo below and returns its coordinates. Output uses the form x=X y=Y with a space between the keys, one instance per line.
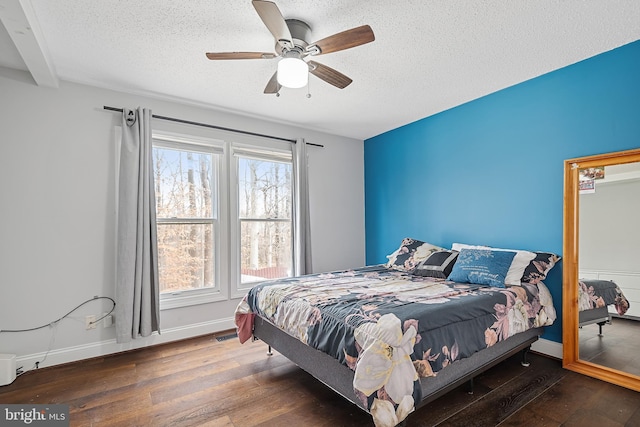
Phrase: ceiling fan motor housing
x=300 y=33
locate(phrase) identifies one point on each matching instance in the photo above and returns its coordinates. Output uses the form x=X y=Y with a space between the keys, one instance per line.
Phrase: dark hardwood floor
x=207 y=382
x=617 y=348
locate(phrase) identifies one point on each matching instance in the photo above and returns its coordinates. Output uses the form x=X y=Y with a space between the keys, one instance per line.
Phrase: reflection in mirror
x=601 y=268
x=609 y=266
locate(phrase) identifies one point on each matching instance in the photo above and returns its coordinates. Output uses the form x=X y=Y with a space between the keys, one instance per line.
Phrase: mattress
x=391 y=328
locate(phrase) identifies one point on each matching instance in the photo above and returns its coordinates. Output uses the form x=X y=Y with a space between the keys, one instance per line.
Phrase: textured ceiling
x=428 y=56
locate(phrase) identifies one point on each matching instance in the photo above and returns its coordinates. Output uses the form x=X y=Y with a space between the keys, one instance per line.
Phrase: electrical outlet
x=90 y=322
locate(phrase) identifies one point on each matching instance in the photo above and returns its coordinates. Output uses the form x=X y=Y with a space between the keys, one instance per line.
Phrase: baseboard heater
x=7 y=368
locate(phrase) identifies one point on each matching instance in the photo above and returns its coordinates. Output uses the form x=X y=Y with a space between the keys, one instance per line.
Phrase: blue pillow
x=482 y=266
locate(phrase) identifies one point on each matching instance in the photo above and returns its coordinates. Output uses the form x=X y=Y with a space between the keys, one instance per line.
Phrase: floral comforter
x=601 y=293
x=393 y=328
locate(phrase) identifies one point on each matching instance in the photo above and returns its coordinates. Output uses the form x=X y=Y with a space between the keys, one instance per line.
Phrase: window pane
x=266 y=250
x=183 y=181
x=185 y=256
x=264 y=188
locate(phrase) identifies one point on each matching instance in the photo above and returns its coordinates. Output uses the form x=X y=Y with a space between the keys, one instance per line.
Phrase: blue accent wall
x=491 y=171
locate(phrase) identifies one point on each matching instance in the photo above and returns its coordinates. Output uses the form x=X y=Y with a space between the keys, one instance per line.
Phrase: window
x=203 y=256
x=265 y=218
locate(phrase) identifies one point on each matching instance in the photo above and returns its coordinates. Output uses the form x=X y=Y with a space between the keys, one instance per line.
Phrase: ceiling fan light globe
x=293 y=73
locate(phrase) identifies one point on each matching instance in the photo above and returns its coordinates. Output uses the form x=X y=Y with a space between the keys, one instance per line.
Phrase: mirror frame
x=570 y=342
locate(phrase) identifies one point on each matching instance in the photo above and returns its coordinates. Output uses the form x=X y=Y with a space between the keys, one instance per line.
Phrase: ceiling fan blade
x=240 y=55
x=329 y=75
x=273 y=86
x=344 y=40
x=273 y=19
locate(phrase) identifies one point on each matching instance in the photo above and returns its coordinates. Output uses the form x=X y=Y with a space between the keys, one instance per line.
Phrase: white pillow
x=520 y=261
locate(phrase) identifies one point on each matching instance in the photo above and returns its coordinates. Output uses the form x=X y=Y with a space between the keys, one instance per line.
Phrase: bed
x=392 y=337
x=595 y=297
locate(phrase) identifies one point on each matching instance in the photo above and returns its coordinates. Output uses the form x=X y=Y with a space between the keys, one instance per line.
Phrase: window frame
x=227 y=253
x=218 y=149
x=275 y=152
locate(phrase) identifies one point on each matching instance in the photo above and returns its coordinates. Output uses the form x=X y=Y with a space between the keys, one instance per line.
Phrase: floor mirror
x=602 y=217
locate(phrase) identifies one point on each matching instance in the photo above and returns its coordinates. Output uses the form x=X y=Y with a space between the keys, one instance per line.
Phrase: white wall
x=609 y=227
x=57 y=178
x=610 y=237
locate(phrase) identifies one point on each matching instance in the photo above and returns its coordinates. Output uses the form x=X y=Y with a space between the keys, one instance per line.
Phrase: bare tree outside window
x=192 y=189
x=265 y=214
x=186 y=218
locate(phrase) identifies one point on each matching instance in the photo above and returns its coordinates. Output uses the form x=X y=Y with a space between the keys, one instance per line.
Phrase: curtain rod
x=206 y=125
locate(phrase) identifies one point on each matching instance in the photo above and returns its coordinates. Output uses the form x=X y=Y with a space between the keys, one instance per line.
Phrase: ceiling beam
x=22 y=25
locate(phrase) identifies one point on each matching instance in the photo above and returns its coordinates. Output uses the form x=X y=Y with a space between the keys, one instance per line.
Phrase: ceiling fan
x=294 y=49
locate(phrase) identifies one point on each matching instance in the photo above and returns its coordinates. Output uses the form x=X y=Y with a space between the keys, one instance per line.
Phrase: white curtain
x=137 y=288
x=302 y=219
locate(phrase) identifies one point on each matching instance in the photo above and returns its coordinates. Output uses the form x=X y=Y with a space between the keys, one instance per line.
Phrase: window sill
x=187 y=298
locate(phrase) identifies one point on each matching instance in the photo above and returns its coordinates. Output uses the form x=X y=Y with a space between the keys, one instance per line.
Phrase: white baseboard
x=102 y=348
x=547 y=347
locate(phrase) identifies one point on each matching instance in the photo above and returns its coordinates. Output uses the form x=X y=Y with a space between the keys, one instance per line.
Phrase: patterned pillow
x=539 y=267
x=438 y=264
x=482 y=266
x=411 y=253
x=518 y=265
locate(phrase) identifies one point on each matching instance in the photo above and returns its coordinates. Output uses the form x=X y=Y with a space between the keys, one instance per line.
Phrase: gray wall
x=57 y=228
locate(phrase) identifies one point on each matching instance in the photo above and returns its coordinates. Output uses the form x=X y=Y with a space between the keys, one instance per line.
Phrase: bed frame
x=598 y=315
x=340 y=378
